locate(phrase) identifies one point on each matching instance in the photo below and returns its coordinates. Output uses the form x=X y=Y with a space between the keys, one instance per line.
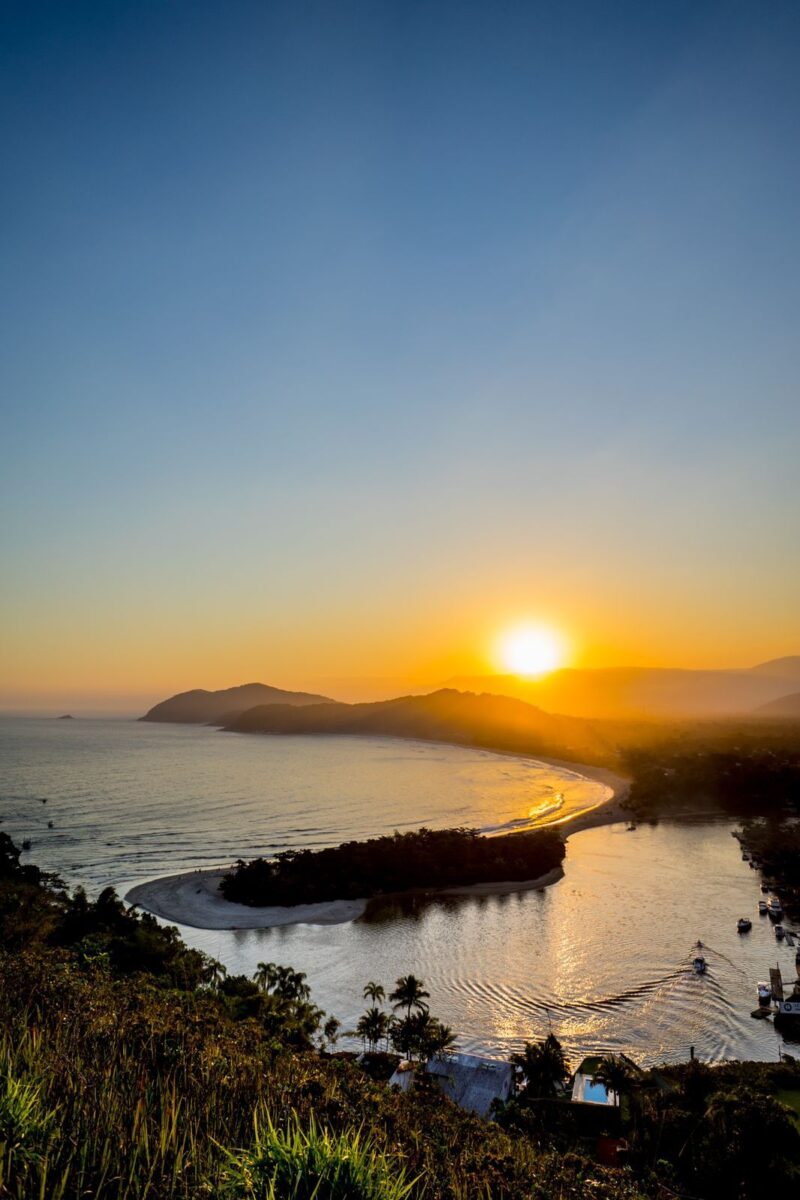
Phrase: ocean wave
x=533 y=818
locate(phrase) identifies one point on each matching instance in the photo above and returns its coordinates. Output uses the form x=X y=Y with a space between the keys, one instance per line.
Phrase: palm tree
x=543 y=1065
x=374 y=992
x=216 y=973
x=372 y=1027
x=264 y=976
x=330 y=1032
x=616 y=1075
x=409 y=993
x=282 y=981
x=437 y=1040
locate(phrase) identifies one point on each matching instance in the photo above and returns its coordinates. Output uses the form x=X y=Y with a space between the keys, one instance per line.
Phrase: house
x=585 y=1090
x=468 y=1080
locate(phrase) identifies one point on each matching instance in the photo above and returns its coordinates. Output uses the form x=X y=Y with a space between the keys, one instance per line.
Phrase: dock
x=776 y=983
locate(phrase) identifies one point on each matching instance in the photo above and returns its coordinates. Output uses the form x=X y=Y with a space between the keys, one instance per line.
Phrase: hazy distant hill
x=627 y=693
x=780 y=668
x=447 y=715
x=217 y=708
x=784 y=706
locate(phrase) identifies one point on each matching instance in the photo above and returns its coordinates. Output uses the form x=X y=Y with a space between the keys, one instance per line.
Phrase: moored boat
x=780 y=932
x=744 y=924
x=762 y=907
x=764 y=992
x=774 y=907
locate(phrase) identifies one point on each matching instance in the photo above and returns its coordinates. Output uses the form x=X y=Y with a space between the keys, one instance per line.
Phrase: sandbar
x=193 y=897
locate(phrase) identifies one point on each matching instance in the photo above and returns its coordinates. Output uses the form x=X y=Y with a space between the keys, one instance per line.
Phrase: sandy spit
x=193 y=897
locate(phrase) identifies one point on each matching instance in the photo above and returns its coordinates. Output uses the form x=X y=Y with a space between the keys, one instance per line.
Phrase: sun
x=531 y=650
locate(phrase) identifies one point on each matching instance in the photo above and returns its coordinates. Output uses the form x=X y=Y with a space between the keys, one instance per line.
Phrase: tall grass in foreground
x=157 y=1122
x=312 y=1164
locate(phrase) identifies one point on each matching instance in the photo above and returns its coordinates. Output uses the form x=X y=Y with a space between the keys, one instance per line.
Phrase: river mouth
x=601 y=957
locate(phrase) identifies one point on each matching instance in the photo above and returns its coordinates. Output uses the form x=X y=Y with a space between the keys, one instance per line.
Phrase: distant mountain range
x=200 y=707
x=631 y=693
x=784 y=707
x=473 y=706
x=498 y=722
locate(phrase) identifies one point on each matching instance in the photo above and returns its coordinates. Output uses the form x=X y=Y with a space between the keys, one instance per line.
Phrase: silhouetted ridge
x=217 y=708
x=634 y=693
x=496 y=722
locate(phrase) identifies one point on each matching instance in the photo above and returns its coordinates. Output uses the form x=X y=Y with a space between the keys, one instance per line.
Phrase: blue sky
x=332 y=335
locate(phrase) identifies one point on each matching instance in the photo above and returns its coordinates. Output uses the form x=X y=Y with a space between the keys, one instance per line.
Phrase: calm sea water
x=602 y=957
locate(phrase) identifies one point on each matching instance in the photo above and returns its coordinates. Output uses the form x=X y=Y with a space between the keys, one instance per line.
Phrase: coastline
x=192 y=897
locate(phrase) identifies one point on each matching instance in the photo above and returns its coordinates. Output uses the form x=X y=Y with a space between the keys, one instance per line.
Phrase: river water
x=602 y=957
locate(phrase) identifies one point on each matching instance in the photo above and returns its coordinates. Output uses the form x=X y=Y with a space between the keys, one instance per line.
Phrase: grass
x=119 y=1090
x=791 y=1098
x=310 y=1163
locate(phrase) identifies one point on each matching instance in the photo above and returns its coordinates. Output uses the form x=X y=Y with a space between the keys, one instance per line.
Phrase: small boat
x=26 y=845
x=762 y=907
x=631 y=827
x=764 y=992
x=774 y=907
x=780 y=932
x=745 y=856
x=765 y=888
x=699 y=965
x=744 y=924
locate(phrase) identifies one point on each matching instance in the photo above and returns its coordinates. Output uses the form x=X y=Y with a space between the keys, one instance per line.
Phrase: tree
x=748 y=1146
x=217 y=973
x=330 y=1032
x=421 y=1036
x=281 y=981
x=616 y=1075
x=409 y=993
x=263 y=975
x=373 y=1027
x=543 y=1066
x=437 y=1040
x=374 y=992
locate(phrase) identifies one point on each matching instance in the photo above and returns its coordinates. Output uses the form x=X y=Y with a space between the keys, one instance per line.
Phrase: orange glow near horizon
x=531 y=651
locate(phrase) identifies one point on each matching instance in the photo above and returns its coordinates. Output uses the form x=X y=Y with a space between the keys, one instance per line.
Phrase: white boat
x=774 y=907
x=780 y=932
x=764 y=992
x=699 y=964
x=744 y=924
x=762 y=907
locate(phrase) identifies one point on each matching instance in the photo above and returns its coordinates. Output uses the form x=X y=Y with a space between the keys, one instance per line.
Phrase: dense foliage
x=730 y=771
x=426 y=858
x=775 y=846
x=730 y=1132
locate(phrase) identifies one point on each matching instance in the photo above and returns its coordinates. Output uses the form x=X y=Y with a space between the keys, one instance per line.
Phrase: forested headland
x=424 y=859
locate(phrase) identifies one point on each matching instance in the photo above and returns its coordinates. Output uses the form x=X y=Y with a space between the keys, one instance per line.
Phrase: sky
x=336 y=338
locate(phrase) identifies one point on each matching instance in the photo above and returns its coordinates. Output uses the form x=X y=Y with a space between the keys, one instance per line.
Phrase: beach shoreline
x=192 y=897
